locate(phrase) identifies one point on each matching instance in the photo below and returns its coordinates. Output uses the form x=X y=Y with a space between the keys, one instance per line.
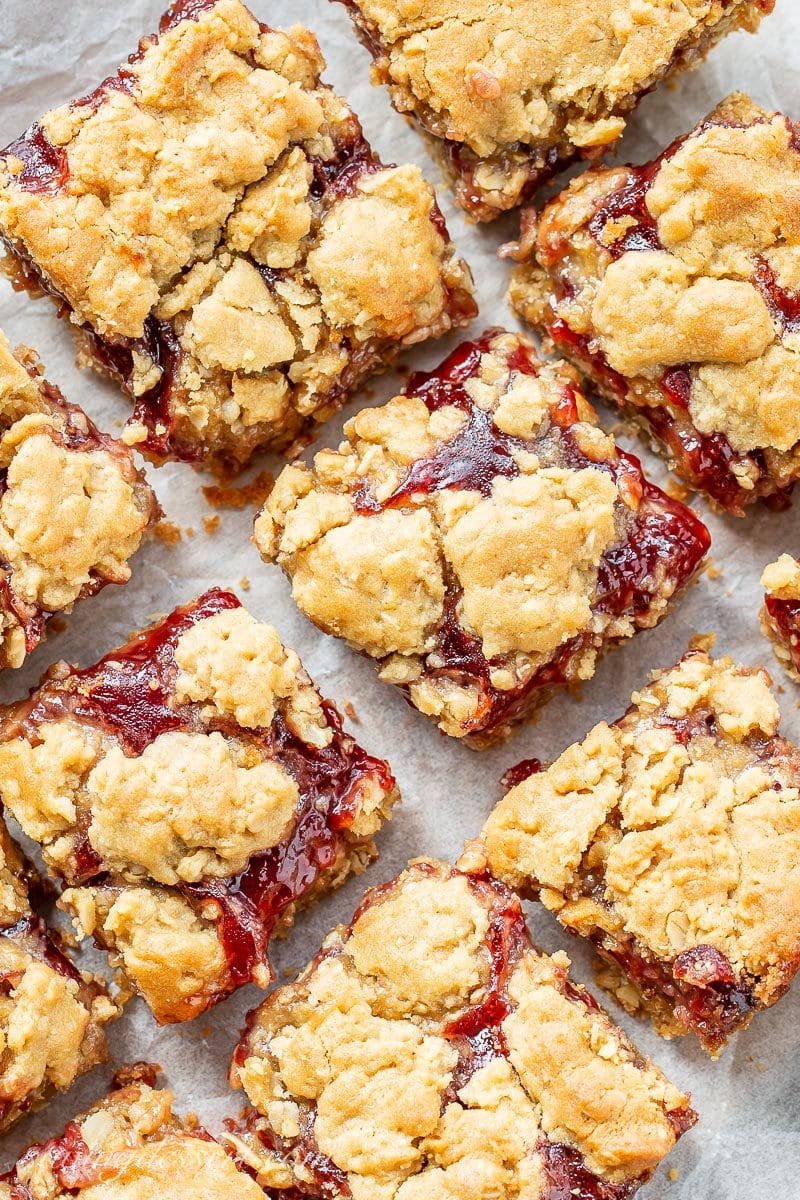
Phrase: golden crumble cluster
x=430 y=1050
x=130 y=1146
x=671 y=839
x=465 y=536
x=515 y=89
x=73 y=506
x=223 y=236
x=51 y=1015
x=675 y=286
x=192 y=789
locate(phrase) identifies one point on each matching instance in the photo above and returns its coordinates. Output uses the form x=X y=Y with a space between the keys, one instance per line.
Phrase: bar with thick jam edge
x=222 y=238
x=433 y=1026
x=670 y=286
x=671 y=840
x=480 y=537
x=210 y=792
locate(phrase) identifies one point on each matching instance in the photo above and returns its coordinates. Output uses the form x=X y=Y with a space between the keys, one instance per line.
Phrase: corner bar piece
x=670 y=839
x=73 y=506
x=429 y=1050
x=514 y=91
x=480 y=537
x=193 y=790
x=220 y=233
x=130 y=1146
x=675 y=287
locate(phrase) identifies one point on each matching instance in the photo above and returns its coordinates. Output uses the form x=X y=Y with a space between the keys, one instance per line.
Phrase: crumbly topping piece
x=363 y=1060
x=693 y=777
x=782 y=578
x=217 y=216
x=125 y=1148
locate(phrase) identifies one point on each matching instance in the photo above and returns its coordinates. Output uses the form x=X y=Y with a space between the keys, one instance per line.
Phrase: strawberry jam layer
x=129 y=695
x=663 y=546
x=784 y=616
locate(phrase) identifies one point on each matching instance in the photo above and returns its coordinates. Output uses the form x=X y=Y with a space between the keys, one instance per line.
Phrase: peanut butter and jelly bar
x=513 y=91
x=671 y=839
x=675 y=287
x=51 y=1015
x=223 y=237
x=480 y=537
x=130 y=1146
x=780 y=614
x=192 y=789
x=73 y=506
x=429 y=1050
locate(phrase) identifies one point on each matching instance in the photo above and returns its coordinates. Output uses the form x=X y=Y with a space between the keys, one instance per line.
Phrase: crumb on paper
x=350 y=711
x=56 y=625
x=677 y=490
x=168 y=532
x=673 y=1174
x=703 y=641
x=244 y=583
x=229 y=496
x=211 y=524
x=712 y=570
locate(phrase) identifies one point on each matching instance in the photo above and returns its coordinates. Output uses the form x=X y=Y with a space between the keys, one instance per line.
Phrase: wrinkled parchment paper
x=747 y=1145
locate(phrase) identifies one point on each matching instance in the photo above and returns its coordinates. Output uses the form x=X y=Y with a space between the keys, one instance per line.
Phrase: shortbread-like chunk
x=73 y=506
x=675 y=286
x=192 y=789
x=481 y=537
x=130 y=1146
x=430 y=1051
x=671 y=839
x=222 y=235
x=512 y=91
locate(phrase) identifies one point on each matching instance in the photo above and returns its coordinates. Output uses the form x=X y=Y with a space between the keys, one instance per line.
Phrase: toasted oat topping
x=199 y=222
x=126 y=1148
x=676 y=827
x=362 y=1062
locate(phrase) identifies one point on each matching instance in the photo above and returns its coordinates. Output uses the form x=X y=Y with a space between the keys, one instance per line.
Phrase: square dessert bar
x=130 y=1146
x=429 y=1050
x=512 y=91
x=217 y=227
x=675 y=286
x=73 y=506
x=671 y=839
x=193 y=790
x=481 y=537
x=51 y=1014
x=780 y=614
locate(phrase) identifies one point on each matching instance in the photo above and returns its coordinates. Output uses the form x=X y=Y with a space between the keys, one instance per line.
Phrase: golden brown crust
x=678 y=827
x=516 y=86
x=219 y=216
x=73 y=509
x=362 y=1063
x=131 y=1146
x=696 y=272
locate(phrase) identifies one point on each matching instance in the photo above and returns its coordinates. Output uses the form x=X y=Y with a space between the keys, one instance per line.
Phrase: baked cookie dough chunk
x=73 y=506
x=671 y=839
x=193 y=790
x=780 y=614
x=675 y=286
x=481 y=537
x=51 y=1015
x=130 y=1146
x=223 y=238
x=514 y=90
x=430 y=1051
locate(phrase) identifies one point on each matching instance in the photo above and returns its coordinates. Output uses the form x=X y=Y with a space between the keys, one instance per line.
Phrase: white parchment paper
x=747 y=1145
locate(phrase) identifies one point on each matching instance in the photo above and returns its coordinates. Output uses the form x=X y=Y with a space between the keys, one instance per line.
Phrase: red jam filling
x=129 y=694
x=34 y=937
x=568 y=1177
x=72 y=1163
x=785 y=618
x=665 y=538
x=45 y=167
x=784 y=305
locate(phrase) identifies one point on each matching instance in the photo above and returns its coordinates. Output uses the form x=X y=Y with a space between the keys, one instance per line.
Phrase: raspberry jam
x=663 y=537
x=129 y=694
x=45 y=167
x=784 y=617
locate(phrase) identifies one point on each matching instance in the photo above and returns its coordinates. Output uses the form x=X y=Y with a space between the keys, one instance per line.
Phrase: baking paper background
x=747 y=1145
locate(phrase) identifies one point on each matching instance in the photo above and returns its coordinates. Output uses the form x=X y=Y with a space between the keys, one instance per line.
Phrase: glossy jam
x=568 y=1177
x=33 y=936
x=71 y=1162
x=130 y=694
x=44 y=166
x=783 y=304
x=785 y=618
x=628 y=205
x=523 y=770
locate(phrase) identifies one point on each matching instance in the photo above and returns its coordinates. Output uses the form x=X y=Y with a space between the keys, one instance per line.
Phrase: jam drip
x=130 y=694
x=627 y=209
x=45 y=167
x=785 y=618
